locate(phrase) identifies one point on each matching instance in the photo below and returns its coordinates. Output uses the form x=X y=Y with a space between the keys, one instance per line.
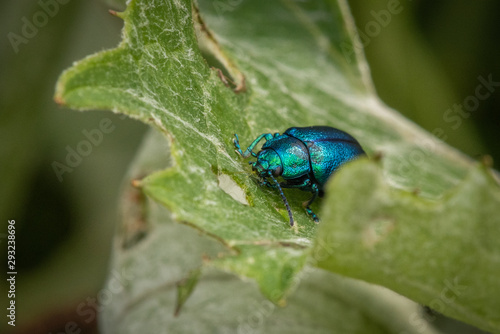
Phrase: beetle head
x=268 y=162
x=269 y=165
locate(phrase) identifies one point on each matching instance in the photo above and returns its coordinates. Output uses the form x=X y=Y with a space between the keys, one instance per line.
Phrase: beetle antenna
x=283 y=198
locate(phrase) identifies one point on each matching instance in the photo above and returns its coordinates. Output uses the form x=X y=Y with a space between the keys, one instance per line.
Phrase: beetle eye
x=278 y=171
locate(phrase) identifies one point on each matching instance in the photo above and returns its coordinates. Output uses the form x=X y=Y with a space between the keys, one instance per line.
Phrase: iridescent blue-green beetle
x=304 y=157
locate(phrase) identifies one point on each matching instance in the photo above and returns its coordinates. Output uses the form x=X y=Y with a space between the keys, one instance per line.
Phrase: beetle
x=305 y=157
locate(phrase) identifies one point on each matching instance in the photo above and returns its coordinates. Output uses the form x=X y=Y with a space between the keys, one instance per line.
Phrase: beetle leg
x=301 y=185
x=264 y=182
x=285 y=184
x=314 y=190
x=236 y=142
x=310 y=212
x=248 y=151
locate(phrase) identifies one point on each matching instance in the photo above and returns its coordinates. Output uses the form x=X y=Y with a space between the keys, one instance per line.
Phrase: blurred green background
x=424 y=59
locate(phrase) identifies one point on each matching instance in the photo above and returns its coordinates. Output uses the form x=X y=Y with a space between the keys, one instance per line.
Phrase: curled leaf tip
x=117 y=14
x=487 y=161
x=378 y=156
x=59 y=100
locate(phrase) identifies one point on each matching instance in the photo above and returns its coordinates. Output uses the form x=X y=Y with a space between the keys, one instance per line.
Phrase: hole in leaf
x=215 y=57
x=227 y=184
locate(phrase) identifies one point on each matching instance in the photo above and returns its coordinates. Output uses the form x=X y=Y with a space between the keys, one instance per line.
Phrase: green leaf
x=443 y=254
x=185 y=288
x=152 y=277
x=293 y=64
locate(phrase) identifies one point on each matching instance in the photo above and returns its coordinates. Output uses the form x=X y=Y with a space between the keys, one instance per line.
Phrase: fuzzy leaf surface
x=294 y=64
